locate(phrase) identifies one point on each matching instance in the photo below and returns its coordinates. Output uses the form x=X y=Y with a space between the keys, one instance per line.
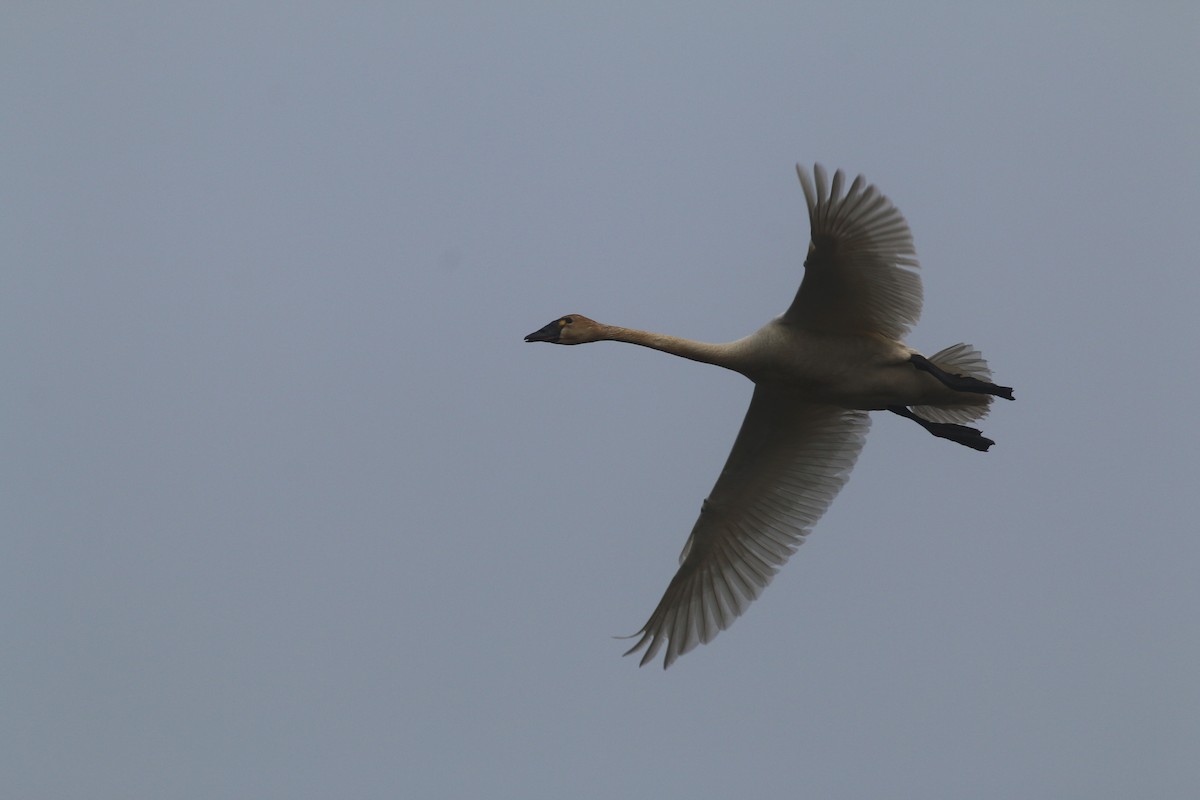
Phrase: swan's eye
x=566 y=321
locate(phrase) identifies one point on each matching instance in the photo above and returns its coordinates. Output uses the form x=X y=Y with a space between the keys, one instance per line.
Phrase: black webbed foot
x=963 y=434
x=960 y=383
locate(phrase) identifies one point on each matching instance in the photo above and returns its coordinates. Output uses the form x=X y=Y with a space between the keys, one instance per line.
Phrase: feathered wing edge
x=787 y=465
x=860 y=274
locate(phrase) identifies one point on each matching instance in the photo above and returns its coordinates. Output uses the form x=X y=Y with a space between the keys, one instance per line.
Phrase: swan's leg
x=960 y=383
x=963 y=434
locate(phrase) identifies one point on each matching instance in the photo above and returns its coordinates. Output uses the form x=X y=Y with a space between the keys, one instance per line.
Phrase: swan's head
x=571 y=329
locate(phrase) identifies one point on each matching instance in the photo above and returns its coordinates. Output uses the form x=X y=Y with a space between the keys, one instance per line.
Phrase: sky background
x=289 y=509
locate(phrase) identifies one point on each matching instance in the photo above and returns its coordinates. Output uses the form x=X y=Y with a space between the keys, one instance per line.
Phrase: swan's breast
x=864 y=371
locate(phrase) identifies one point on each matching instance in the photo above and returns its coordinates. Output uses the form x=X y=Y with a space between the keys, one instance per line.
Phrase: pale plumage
x=834 y=355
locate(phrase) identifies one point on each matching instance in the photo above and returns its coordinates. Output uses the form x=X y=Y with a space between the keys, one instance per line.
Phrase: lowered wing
x=788 y=463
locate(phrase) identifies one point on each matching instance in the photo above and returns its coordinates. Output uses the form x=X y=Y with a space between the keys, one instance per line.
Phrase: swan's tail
x=960 y=359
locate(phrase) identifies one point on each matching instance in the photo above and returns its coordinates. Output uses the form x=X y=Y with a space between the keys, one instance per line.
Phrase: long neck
x=723 y=355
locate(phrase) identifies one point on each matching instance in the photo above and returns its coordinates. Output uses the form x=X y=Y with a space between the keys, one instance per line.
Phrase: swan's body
x=834 y=355
x=863 y=371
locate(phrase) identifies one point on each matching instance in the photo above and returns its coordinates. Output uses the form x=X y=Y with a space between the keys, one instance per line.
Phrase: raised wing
x=859 y=276
x=787 y=464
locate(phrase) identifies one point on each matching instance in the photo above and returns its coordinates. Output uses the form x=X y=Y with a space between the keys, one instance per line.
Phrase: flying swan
x=834 y=355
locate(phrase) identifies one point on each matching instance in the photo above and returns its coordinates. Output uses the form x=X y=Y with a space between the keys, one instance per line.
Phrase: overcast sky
x=289 y=509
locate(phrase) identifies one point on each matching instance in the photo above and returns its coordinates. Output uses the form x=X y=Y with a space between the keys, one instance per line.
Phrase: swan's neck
x=722 y=355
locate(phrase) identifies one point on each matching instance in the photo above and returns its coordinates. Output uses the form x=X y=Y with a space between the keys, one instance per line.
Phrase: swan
x=833 y=356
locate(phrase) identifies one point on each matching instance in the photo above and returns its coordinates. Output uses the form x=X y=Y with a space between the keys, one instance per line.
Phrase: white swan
x=834 y=355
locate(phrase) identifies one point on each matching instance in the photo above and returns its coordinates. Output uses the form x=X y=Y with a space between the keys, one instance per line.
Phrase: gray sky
x=290 y=510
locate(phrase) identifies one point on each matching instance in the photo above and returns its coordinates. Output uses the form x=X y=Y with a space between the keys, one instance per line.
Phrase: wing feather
x=789 y=461
x=860 y=275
